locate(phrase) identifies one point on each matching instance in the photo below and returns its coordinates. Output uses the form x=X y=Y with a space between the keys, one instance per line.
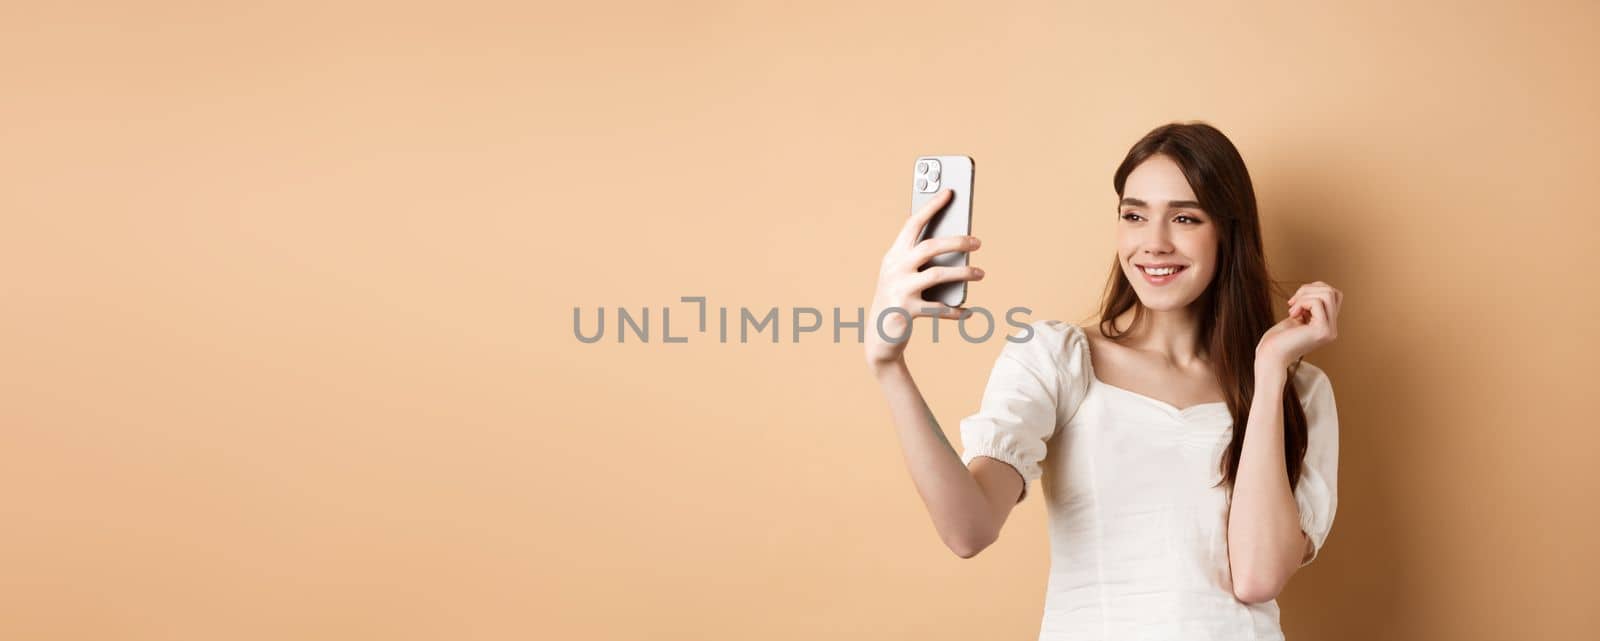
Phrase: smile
x=1161 y=275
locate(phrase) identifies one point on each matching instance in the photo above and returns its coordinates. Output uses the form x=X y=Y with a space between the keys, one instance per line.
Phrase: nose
x=1157 y=241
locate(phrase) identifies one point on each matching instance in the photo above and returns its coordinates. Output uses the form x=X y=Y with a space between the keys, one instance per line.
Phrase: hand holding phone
x=925 y=271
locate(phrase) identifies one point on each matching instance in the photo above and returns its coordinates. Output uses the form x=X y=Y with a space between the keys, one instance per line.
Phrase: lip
x=1161 y=280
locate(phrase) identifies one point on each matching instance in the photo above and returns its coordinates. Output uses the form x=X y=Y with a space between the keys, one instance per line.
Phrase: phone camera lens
x=922 y=166
x=922 y=184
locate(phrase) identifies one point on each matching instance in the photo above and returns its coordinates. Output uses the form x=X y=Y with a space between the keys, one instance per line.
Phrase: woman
x=1188 y=456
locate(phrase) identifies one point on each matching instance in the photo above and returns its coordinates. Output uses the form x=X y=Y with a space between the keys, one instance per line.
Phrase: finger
x=1329 y=301
x=1319 y=312
x=1299 y=312
x=1307 y=289
x=927 y=249
x=1303 y=289
x=1330 y=311
x=1302 y=307
x=920 y=217
x=935 y=275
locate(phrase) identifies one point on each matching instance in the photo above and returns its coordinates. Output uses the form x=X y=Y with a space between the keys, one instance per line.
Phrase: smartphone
x=933 y=173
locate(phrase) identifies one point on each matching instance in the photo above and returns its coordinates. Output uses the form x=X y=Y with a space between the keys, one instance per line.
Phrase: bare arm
x=968 y=507
x=1265 y=543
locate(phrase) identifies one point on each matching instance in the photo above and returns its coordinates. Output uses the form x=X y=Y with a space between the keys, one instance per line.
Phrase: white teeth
x=1159 y=271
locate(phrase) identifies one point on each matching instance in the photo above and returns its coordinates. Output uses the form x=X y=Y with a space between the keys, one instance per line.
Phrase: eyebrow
x=1171 y=204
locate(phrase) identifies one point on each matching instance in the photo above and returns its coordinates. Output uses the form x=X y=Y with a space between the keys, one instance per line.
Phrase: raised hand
x=1313 y=322
x=900 y=284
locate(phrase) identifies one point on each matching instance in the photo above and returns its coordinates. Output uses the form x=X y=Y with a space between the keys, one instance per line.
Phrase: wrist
x=1272 y=365
x=885 y=367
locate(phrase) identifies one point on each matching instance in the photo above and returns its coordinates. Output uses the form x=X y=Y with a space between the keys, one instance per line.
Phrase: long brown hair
x=1236 y=308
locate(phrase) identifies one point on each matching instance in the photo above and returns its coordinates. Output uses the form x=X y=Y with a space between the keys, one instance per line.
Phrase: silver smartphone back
x=932 y=173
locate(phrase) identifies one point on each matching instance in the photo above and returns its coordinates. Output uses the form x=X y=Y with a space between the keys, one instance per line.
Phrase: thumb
x=1300 y=312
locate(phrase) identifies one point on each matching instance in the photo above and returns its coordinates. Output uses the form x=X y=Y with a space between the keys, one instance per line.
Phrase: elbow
x=1258 y=580
x=1252 y=591
x=968 y=546
x=966 y=551
x=1253 y=597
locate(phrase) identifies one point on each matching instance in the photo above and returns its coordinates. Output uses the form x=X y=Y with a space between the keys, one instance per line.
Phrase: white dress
x=1138 y=533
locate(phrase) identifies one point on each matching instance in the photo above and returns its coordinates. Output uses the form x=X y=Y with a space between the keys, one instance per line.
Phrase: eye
x=1196 y=220
x=1126 y=214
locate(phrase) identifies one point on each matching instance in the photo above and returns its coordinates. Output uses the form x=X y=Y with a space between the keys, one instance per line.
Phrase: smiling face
x=1160 y=227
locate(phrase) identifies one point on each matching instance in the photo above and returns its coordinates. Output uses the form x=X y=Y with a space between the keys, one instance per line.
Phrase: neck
x=1172 y=334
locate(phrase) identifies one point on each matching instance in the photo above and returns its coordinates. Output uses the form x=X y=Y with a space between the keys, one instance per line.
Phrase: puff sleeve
x=1034 y=388
x=1317 y=494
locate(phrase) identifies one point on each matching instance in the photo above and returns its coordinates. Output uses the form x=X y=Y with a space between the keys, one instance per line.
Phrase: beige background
x=288 y=292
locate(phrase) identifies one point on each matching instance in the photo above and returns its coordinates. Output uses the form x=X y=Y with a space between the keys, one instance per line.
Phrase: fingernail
x=977 y=271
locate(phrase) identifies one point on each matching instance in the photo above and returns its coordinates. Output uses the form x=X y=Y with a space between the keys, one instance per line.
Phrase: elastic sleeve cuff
x=1004 y=456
